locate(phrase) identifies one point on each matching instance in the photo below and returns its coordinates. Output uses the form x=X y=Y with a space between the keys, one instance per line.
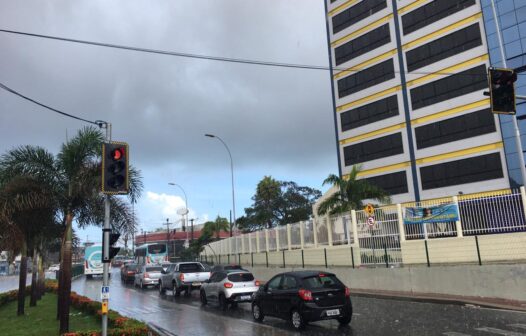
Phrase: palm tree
x=350 y=193
x=74 y=178
x=220 y=224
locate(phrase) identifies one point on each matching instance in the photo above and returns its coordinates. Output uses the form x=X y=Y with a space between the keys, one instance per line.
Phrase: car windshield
x=154 y=269
x=190 y=268
x=232 y=267
x=322 y=281
x=132 y=267
x=157 y=248
x=241 y=277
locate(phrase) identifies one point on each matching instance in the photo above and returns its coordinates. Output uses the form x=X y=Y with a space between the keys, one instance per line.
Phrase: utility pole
x=168 y=235
x=192 y=230
x=106 y=266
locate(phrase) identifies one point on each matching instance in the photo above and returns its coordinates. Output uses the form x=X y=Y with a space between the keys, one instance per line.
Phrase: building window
x=450 y=87
x=370 y=113
x=393 y=184
x=454 y=129
x=356 y=13
x=444 y=47
x=475 y=169
x=432 y=12
x=373 y=149
x=365 y=78
x=363 y=44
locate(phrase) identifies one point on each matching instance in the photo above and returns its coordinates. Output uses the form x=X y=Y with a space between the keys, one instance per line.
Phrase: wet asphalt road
x=186 y=316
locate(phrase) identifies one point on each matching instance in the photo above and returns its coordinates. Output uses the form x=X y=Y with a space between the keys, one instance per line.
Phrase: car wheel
x=257 y=313
x=233 y=305
x=345 y=320
x=161 y=289
x=223 y=303
x=202 y=295
x=175 y=290
x=297 y=320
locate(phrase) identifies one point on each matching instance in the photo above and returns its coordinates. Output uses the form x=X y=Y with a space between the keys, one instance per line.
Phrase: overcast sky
x=276 y=121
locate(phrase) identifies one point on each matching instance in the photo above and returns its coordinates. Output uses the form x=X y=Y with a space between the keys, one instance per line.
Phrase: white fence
x=379 y=240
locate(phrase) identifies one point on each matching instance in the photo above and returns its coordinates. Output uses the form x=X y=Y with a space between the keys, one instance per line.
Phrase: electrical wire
x=212 y=58
x=3 y=86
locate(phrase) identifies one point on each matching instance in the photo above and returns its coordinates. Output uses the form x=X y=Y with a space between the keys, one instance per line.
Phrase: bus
x=148 y=254
x=93 y=260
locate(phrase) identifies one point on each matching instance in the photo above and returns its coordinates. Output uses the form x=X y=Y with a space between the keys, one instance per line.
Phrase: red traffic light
x=117 y=153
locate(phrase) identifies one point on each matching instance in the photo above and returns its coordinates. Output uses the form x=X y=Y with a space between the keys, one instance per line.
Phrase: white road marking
x=500 y=331
x=454 y=333
x=518 y=325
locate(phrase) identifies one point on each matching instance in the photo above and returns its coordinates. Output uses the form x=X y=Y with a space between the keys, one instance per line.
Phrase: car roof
x=306 y=274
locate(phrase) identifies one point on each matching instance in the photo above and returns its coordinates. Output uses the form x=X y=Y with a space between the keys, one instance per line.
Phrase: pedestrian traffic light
x=502 y=90
x=115 y=168
x=108 y=250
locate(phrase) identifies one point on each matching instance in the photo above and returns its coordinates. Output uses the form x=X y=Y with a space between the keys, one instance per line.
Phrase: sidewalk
x=442 y=298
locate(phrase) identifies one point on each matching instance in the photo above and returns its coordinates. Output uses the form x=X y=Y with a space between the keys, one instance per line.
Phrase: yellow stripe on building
x=445 y=113
x=345 y=107
x=462 y=152
x=450 y=70
x=411 y=6
x=365 y=64
x=372 y=134
x=342 y=7
x=362 y=30
x=442 y=31
x=383 y=169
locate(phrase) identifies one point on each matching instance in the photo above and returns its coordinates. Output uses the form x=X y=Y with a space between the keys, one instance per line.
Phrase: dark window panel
x=444 y=47
x=365 y=78
x=393 y=184
x=373 y=149
x=432 y=12
x=363 y=115
x=356 y=13
x=454 y=129
x=475 y=169
x=363 y=44
x=453 y=86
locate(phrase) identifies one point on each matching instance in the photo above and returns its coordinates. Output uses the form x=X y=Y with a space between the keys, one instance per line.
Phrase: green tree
x=74 y=178
x=350 y=193
x=215 y=227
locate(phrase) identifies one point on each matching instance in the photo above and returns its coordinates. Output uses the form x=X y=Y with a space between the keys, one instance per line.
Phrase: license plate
x=196 y=284
x=333 y=312
x=245 y=297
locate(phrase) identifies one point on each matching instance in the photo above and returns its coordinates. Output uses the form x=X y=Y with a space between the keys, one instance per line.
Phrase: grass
x=41 y=320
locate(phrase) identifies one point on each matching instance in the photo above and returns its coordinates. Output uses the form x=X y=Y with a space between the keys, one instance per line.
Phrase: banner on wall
x=431 y=214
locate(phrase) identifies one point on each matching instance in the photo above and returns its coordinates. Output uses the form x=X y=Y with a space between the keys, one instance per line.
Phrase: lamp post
x=185 y=215
x=232 y=175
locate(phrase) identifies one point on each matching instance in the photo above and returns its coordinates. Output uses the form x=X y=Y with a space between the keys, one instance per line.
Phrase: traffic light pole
x=106 y=266
x=518 y=142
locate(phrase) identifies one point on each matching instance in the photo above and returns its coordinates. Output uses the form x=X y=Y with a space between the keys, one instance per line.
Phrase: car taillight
x=228 y=285
x=130 y=272
x=305 y=294
x=257 y=283
x=146 y=275
x=347 y=291
x=181 y=277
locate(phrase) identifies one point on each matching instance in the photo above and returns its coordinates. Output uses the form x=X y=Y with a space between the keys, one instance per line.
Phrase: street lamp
x=185 y=205
x=232 y=174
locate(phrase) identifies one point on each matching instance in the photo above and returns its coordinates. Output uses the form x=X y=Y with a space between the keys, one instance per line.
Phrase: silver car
x=229 y=287
x=147 y=276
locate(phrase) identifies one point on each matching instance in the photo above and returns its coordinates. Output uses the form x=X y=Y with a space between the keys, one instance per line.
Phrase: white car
x=54 y=268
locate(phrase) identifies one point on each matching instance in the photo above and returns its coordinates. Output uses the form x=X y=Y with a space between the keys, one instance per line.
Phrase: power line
x=208 y=57
x=46 y=106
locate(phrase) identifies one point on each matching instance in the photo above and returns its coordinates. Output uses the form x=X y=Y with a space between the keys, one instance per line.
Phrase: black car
x=303 y=297
x=128 y=272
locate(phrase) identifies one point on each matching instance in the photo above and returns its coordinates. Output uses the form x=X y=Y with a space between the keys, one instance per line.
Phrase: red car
x=128 y=272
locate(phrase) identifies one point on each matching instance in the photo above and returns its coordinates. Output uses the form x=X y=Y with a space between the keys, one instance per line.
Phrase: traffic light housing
x=115 y=168
x=108 y=250
x=502 y=90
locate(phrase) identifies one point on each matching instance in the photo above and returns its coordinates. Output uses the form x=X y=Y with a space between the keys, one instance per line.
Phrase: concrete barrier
x=501 y=281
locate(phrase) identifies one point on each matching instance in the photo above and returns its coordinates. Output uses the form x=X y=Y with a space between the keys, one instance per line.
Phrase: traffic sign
x=105 y=293
x=369 y=209
x=370 y=221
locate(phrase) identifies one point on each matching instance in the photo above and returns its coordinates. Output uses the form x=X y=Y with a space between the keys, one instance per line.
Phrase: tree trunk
x=59 y=277
x=41 y=277
x=34 y=285
x=66 y=277
x=22 y=278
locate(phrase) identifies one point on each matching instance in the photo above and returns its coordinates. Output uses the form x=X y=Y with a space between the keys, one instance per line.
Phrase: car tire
x=176 y=291
x=257 y=313
x=344 y=320
x=89 y=276
x=223 y=303
x=233 y=305
x=161 y=289
x=202 y=296
x=297 y=320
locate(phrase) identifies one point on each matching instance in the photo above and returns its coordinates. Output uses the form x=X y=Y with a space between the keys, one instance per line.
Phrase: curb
x=461 y=301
